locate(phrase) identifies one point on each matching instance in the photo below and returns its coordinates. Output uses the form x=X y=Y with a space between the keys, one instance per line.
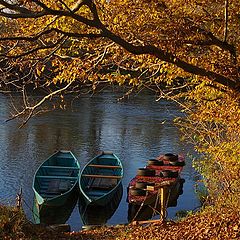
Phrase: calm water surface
x=135 y=130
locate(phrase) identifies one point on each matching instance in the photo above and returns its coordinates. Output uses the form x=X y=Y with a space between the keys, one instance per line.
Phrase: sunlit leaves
x=170 y=25
x=213 y=126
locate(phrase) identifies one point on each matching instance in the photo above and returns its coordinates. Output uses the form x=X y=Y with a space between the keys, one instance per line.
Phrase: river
x=135 y=130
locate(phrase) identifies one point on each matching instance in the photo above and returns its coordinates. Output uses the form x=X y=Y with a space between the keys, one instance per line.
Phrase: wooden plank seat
x=61 y=171
x=103 y=166
x=57 y=177
x=64 y=173
x=61 y=167
x=101 y=176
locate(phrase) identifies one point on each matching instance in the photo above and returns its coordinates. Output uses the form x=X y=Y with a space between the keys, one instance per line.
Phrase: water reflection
x=136 y=130
x=99 y=215
x=54 y=214
x=146 y=212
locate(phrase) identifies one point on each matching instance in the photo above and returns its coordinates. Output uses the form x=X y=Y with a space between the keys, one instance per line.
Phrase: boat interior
x=54 y=177
x=102 y=175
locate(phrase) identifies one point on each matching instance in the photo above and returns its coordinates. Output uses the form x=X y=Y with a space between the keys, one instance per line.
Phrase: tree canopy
x=84 y=43
x=149 y=41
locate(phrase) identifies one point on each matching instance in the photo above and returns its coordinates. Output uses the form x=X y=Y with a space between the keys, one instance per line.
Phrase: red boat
x=165 y=170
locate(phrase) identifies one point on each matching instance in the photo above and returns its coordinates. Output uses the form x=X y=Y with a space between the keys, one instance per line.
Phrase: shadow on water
x=54 y=214
x=146 y=212
x=99 y=215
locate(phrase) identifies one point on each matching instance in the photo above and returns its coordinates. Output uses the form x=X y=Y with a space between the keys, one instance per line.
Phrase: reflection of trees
x=95 y=124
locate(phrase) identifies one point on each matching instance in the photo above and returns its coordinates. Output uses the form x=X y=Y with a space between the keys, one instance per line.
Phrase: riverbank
x=207 y=224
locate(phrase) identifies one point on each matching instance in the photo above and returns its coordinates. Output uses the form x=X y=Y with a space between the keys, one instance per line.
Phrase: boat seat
x=64 y=156
x=56 y=177
x=61 y=167
x=61 y=171
x=102 y=176
x=103 y=166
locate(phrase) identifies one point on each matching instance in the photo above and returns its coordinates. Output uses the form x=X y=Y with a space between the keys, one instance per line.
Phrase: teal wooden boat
x=100 y=179
x=56 y=180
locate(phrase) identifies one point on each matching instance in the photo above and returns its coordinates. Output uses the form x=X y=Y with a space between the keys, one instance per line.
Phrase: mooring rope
x=140 y=207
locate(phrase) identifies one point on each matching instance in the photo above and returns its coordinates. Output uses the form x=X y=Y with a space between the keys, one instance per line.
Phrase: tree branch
x=171 y=58
x=29 y=110
x=77 y=17
x=215 y=41
x=15 y=7
x=226 y=21
x=38 y=35
x=34 y=50
x=146 y=49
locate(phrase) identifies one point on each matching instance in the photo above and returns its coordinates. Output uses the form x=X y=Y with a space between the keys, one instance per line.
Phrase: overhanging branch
x=34 y=50
x=29 y=110
x=38 y=35
x=144 y=49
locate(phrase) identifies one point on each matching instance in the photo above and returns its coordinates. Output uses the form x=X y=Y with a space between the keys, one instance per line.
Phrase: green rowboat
x=56 y=180
x=100 y=179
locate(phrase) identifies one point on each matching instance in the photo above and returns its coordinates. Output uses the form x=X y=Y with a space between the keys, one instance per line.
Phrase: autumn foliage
x=186 y=51
x=128 y=42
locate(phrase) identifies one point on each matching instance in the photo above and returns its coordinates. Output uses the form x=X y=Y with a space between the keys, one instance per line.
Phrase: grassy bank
x=208 y=224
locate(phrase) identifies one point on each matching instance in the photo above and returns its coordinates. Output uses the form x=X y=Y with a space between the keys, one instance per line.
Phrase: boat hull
x=54 y=213
x=93 y=214
x=155 y=187
x=100 y=179
x=56 y=181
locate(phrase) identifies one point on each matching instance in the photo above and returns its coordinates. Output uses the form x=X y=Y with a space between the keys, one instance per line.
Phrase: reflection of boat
x=138 y=212
x=158 y=182
x=98 y=215
x=55 y=181
x=54 y=214
x=100 y=179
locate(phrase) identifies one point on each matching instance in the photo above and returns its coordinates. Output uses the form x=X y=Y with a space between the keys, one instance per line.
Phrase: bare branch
x=77 y=17
x=38 y=35
x=78 y=5
x=101 y=57
x=29 y=110
x=15 y=7
x=35 y=49
x=212 y=40
x=226 y=21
